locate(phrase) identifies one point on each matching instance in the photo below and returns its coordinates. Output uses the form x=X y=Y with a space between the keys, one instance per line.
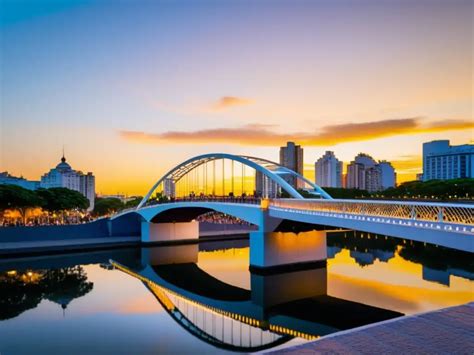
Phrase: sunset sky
x=132 y=88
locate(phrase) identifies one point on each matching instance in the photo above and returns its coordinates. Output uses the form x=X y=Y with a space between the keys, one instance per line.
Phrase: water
x=78 y=303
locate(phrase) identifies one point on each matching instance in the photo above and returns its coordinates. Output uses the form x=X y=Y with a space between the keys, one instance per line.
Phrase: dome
x=63 y=165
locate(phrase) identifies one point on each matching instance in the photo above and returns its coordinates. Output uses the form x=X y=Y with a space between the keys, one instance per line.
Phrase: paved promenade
x=447 y=331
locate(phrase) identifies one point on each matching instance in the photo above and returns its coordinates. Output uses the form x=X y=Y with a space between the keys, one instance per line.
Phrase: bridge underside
x=179 y=215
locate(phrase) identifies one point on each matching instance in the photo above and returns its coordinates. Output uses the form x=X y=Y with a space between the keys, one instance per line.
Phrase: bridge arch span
x=269 y=169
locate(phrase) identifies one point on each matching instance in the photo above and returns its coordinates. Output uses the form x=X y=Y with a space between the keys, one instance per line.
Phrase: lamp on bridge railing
x=264 y=203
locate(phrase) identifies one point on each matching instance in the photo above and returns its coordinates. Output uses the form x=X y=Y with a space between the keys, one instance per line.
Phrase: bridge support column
x=169 y=232
x=283 y=251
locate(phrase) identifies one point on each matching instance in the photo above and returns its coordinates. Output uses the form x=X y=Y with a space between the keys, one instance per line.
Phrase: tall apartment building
x=169 y=188
x=265 y=187
x=355 y=178
x=388 y=174
x=365 y=173
x=64 y=176
x=328 y=171
x=291 y=157
x=443 y=161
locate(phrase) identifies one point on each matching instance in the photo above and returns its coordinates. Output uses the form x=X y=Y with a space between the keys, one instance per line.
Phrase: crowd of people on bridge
x=220 y=218
x=206 y=197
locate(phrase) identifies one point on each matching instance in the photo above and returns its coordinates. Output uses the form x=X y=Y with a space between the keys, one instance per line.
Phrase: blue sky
x=93 y=74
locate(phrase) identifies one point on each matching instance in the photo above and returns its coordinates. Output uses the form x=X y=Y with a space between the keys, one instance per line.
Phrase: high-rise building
x=87 y=187
x=169 y=188
x=355 y=178
x=64 y=176
x=364 y=173
x=265 y=187
x=373 y=178
x=388 y=174
x=443 y=161
x=328 y=171
x=291 y=157
x=7 y=179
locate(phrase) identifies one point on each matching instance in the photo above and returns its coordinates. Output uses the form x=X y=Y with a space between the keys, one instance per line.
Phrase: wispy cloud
x=408 y=164
x=226 y=102
x=257 y=134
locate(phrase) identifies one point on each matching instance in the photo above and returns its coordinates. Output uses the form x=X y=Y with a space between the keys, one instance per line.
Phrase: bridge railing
x=226 y=199
x=422 y=211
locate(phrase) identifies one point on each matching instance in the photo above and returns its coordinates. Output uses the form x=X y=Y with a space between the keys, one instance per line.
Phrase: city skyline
x=132 y=90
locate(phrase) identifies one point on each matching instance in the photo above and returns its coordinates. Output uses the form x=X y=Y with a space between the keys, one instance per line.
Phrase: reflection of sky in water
x=120 y=315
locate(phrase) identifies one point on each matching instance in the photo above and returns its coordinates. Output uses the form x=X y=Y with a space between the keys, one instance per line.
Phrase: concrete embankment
x=446 y=331
x=88 y=236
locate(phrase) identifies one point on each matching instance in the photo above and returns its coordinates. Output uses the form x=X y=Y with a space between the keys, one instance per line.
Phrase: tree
x=133 y=203
x=159 y=198
x=18 y=198
x=338 y=192
x=438 y=189
x=59 y=199
x=104 y=206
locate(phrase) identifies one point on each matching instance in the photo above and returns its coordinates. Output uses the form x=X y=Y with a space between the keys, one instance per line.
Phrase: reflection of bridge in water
x=278 y=307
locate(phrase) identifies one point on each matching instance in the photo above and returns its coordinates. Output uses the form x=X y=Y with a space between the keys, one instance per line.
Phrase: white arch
x=255 y=163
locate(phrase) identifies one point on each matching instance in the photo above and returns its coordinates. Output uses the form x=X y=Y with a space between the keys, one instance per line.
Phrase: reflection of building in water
x=333 y=251
x=383 y=255
x=21 y=291
x=439 y=276
x=443 y=276
x=362 y=258
x=369 y=256
x=439 y=263
x=364 y=248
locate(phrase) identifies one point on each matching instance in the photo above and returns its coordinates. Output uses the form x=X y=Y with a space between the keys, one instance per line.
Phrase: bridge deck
x=447 y=331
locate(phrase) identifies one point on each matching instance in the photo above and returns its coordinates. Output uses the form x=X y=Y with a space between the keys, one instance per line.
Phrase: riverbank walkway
x=446 y=331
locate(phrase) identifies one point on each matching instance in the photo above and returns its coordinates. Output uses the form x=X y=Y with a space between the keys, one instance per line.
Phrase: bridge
x=264 y=194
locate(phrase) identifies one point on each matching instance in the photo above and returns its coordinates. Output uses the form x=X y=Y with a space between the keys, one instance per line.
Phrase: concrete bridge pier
x=284 y=251
x=169 y=232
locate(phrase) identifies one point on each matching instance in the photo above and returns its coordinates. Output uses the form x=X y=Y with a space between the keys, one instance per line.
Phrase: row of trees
x=434 y=189
x=57 y=200
x=53 y=200
x=109 y=205
x=456 y=189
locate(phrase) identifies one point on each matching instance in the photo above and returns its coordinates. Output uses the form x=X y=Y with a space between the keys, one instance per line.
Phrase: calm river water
x=125 y=301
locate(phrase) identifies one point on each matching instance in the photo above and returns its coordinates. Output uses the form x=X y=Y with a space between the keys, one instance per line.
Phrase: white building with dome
x=64 y=176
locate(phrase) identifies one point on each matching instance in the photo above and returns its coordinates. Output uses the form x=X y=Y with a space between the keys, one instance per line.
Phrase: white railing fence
x=418 y=211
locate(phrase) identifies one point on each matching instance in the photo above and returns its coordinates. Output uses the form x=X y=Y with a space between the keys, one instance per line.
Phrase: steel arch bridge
x=445 y=224
x=272 y=171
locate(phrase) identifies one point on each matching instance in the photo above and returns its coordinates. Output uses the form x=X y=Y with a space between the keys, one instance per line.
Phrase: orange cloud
x=230 y=101
x=329 y=135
